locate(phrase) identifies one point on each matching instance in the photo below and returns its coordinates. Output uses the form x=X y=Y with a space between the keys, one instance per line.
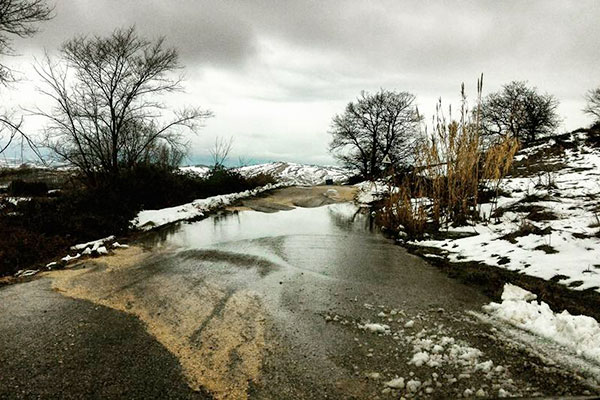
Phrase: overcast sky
x=275 y=72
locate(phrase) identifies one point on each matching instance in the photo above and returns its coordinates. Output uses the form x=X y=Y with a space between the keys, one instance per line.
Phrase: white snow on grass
x=579 y=333
x=567 y=245
x=94 y=244
x=150 y=219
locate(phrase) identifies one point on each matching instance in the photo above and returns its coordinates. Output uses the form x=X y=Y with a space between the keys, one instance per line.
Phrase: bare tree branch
x=220 y=152
x=19 y=18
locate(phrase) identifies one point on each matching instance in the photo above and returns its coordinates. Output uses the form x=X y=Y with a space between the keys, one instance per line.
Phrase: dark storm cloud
x=204 y=32
x=410 y=37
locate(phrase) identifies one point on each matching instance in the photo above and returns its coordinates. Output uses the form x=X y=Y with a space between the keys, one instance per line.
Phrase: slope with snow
x=287 y=173
x=548 y=224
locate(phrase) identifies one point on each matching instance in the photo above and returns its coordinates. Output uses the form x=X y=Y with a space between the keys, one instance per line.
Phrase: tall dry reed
x=452 y=166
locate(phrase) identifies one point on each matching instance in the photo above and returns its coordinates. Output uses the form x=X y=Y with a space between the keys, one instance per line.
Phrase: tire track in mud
x=217 y=333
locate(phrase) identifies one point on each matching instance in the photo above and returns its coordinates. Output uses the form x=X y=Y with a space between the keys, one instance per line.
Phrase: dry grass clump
x=406 y=210
x=453 y=165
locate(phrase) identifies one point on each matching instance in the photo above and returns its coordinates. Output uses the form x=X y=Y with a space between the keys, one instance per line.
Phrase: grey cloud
x=325 y=52
x=206 y=33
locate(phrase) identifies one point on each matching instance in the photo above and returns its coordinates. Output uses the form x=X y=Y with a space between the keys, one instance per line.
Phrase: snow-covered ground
x=150 y=219
x=548 y=224
x=287 y=173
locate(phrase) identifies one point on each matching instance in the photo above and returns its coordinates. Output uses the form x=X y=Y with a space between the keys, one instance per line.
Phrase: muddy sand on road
x=297 y=196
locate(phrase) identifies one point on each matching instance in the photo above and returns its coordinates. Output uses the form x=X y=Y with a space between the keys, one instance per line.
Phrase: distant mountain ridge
x=290 y=173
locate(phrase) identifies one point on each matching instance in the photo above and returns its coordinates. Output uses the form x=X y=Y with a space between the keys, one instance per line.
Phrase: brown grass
x=453 y=166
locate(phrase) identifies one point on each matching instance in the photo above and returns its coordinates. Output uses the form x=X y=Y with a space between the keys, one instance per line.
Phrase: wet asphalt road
x=265 y=306
x=55 y=347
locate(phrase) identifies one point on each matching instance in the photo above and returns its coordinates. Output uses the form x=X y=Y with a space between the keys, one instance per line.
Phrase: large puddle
x=336 y=219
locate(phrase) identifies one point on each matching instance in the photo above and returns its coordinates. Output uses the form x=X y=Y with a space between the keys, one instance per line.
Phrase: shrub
x=21 y=188
x=35 y=231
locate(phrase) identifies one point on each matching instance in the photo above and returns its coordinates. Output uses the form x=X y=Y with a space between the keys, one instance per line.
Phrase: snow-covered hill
x=288 y=173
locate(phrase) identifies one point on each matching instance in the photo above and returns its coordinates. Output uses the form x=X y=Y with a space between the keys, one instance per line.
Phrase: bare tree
x=18 y=18
x=373 y=127
x=220 y=152
x=107 y=114
x=593 y=104
x=519 y=111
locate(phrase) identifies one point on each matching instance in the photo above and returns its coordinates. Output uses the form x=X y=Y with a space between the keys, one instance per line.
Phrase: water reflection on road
x=337 y=219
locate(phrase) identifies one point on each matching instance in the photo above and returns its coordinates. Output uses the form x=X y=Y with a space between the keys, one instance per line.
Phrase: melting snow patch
x=68 y=258
x=579 y=333
x=419 y=358
x=513 y=292
x=150 y=219
x=93 y=243
x=102 y=250
x=397 y=383
x=413 y=385
x=377 y=328
x=26 y=272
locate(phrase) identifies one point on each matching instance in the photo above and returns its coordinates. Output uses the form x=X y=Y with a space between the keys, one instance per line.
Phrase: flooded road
x=306 y=303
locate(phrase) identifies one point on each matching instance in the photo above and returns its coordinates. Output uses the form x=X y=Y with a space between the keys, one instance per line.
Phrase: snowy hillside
x=547 y=224
x=288 y=173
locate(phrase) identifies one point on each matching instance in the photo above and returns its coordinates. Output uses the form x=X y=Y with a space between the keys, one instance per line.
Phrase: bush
x=21 y=188
x=36 y=231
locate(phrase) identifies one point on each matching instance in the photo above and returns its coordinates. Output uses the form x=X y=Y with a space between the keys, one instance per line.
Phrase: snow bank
x=579 y=333
x=150 y=219
x=94 y=244
x=371 y=191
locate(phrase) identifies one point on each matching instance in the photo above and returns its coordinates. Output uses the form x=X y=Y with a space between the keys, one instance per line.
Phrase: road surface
x=307 y=303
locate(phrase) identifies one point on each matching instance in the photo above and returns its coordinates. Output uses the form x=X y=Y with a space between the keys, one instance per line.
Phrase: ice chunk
x=512 y=292
x=397 y=383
